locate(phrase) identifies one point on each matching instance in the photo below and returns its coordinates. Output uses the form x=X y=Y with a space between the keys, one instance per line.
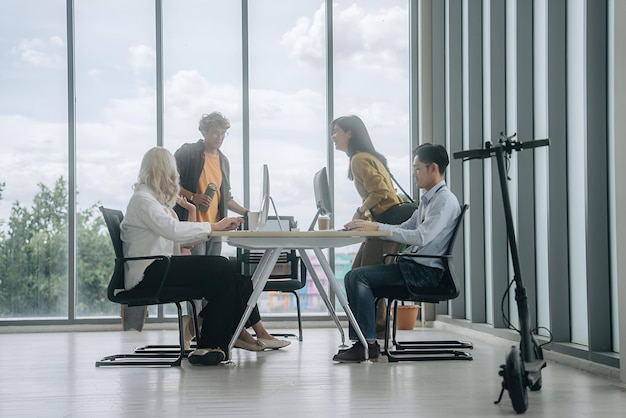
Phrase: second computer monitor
x=266 y=199
x=323 y=201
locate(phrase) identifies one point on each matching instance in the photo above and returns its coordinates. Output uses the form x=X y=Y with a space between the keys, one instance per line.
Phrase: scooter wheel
x=516 y=380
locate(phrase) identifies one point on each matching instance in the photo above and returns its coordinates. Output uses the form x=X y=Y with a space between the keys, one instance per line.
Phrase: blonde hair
x=158 y=171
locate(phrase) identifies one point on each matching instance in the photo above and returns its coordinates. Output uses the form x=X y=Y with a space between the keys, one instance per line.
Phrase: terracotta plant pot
x=407 y=315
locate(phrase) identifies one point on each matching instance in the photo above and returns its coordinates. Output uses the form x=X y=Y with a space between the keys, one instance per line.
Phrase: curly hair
x=158 y=171
x=211 y=120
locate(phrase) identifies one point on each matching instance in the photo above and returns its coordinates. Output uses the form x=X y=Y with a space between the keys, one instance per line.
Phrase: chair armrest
x=396 y=255
x=152 y=257
x=145 y=257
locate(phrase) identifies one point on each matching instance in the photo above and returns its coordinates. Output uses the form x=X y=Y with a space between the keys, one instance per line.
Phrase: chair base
x=286 y=335
x=425 y=355
x=407 y=345
x=294 y=280
x=154 y=355
x=421 y=350
x=174 y=348
x=141 y=359
x=164 y=349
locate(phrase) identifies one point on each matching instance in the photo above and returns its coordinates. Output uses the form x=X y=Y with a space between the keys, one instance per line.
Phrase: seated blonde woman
x=246 y=341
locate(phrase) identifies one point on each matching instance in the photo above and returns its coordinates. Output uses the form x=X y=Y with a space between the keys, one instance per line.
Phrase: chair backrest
x=288 y=267
x=113 y=218
x=455 y=231
x=448 y=282
x=446 y=289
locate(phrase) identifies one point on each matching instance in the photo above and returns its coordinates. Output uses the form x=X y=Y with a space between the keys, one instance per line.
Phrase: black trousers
x=214 y=278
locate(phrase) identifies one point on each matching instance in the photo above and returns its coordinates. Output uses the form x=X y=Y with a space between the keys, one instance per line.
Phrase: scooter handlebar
x=473 y=153
x=508 y=147
x=532 y=144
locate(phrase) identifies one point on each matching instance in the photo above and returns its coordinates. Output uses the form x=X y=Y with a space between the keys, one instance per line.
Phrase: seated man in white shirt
x=428 y=231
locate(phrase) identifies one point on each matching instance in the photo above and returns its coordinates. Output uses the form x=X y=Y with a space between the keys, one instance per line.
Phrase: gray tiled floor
x=53 y=374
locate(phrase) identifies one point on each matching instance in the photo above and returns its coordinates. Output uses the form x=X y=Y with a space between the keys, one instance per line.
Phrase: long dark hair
x=360 y=140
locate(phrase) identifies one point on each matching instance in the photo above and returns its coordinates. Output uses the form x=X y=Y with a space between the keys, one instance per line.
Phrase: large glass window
x=287 y=115
x=576 y=169
x=203 y=73
x=371 y=80
x=116 y=125
x=34 y=160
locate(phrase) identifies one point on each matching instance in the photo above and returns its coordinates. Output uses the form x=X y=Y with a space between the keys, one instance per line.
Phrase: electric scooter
x=522 y=368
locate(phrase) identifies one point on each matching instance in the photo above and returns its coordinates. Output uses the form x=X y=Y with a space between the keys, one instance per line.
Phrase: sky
x=115 y=76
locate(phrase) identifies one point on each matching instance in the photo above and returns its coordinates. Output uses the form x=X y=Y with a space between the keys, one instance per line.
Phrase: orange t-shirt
x=211 y=173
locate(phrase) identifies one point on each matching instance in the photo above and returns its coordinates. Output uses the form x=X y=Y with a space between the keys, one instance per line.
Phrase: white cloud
x=142 y=57
x=288 y=132
x=305 y=40
x=32 y=152
x=57 y=41
x=46 y=53
x=188 y=95
x=375 y=41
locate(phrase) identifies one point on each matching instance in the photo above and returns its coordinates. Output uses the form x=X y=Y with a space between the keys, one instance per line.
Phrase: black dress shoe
x=206 y=356
x=355 y=354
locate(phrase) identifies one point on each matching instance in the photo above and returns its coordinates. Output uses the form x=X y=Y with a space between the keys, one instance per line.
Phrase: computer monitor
x=266 y=199
x=323 y=201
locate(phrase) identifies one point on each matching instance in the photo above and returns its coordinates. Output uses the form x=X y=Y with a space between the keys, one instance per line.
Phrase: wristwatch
x=358 y=211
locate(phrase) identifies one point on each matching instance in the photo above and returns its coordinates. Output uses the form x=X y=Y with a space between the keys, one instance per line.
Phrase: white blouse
x=148 y=228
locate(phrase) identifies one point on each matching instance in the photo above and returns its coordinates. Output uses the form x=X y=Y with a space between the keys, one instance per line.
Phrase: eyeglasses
x=218 y=133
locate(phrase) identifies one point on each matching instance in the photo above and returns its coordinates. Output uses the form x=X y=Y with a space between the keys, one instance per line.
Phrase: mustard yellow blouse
x=373 y=183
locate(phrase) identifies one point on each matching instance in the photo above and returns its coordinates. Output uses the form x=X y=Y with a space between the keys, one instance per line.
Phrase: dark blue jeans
x=362 y=282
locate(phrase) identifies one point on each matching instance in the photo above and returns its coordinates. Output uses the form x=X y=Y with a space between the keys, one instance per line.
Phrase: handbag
x=398 y=213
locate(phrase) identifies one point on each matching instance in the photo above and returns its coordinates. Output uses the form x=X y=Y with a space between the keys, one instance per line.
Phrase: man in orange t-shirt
x=200 y=164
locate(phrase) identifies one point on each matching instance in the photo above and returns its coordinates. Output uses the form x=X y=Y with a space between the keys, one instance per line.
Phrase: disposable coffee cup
x=253 y=220
x=323 y=223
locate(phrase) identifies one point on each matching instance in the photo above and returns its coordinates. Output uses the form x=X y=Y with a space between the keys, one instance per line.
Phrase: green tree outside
x=34 y=258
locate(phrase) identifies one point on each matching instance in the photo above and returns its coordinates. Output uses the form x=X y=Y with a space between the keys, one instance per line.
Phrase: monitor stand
x=276 y=213
x=319 y=212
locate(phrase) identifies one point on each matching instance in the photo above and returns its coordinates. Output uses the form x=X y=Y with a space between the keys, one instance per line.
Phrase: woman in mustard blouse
x=368 y=170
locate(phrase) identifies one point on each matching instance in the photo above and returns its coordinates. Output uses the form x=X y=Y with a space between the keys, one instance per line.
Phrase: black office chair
x=447 y=290
x=292 y=279
x=116 y=293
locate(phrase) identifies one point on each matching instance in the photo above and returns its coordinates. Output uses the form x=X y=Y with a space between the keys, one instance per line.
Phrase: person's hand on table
x=361 y=225
x=227 y=224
